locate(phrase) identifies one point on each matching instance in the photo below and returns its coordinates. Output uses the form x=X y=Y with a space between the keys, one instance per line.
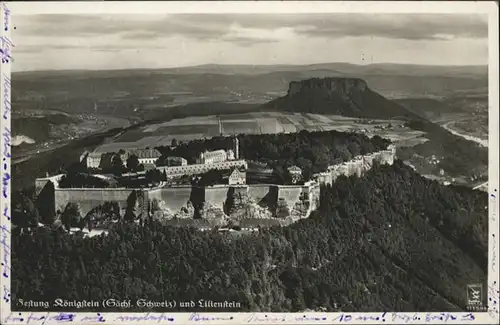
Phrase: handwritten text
x=6 y=49
x=6 y=96
x=6 y=17
x=5 y=251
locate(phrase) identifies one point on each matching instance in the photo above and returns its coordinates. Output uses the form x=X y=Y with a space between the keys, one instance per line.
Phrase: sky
x=126 y=41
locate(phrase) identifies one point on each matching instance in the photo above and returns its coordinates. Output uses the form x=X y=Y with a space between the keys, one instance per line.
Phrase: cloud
x=248 y=36
x=71 y=47
x=258 y=28
x=396 y=26
x=131 y=26
x=409 y=27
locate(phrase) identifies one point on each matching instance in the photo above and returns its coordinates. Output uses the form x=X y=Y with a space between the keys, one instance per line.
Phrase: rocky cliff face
x=344 y=86
x=160 y=210
x=213 y=214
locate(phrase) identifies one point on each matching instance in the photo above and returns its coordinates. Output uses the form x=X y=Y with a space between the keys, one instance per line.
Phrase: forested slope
x=391 y=240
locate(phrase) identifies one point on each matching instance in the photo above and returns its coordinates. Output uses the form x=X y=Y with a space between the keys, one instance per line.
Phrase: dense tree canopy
x=82 y=180
x=391 y=240
x=132 y=162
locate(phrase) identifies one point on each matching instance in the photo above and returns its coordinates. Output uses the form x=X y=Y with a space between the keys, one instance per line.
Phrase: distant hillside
x=338 y=96
x=377 y=68
x=126 y=93
x=353 y=97
x=39 y=128
x=429 y=108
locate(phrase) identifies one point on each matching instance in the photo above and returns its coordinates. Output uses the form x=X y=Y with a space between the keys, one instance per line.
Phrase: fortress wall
x=40 y=183
x=343 y=170
x=377 y=156
x=216 y=195
x=291 y=194
x=239 y=192
x=387 y=157
x=174 y=197
x=368 y=162
x=314 y=194
x=384 y=157
x=258 y=192
x=359 y=167
x=90 y=198
x=350 y=168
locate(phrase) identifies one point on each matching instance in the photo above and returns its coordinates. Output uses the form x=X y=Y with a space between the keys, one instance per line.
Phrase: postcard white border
x=490 y=8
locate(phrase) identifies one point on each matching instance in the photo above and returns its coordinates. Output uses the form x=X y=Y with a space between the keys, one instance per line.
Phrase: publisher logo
x=475 y=298
x=474 y=294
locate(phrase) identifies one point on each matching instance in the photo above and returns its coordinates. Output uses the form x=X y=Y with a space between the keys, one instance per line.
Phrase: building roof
x=145 y=153
x=237 y=172
x=176 y=158
x=95 y=155
x=149 y=166
x=294 y=169
x=214 y=153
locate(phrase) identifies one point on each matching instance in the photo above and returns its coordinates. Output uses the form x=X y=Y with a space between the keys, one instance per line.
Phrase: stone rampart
x=40 y=183
x=290 y=202
x=216 y=196
x=171 y=199
x=90 y=198
x=290 y=194
x=356 y=166
x=259 y=193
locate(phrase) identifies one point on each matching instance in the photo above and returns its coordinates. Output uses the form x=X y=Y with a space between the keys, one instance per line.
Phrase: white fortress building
x=94 y=159
x=176 y=171
x=145 y=156
x=209 y=160
x=212 y=157
x=221 y=155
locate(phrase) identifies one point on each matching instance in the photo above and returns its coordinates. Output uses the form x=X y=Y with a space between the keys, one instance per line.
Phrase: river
x=480 y=141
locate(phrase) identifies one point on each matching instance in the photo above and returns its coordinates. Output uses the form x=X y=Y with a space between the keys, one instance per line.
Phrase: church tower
x=236 y=148
x=220 y=125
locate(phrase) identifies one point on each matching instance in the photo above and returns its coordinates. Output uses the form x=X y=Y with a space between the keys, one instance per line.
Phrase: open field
x=192 y=128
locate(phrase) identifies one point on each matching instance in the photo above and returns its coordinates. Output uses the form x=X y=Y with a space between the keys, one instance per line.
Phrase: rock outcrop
x=186 y=212
x=338 y=96
x=213 y=214
x=343 y=86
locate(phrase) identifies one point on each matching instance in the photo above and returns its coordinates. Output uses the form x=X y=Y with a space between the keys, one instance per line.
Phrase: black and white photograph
x=323 y=161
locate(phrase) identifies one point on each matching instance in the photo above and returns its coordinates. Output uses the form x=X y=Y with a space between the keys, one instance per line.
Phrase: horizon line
x=257 y=65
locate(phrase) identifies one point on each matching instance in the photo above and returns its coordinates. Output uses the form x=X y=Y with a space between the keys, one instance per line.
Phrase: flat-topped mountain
x=341 y=85
x=339 y=96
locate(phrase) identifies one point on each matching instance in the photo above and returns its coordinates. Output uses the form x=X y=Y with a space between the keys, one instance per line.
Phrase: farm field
x=191 y=128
